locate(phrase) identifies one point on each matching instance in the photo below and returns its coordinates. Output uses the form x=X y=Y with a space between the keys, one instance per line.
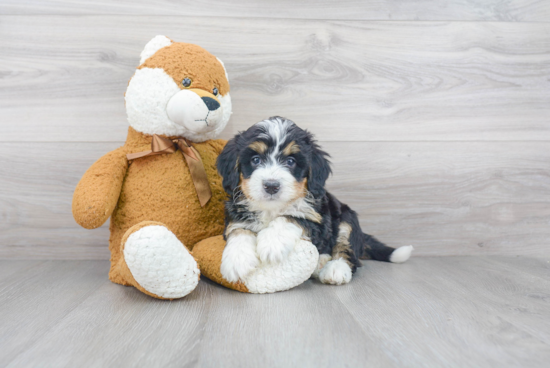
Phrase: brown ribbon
x=161 y=145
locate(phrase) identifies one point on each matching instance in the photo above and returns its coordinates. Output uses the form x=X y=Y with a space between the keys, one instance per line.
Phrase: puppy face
x=274 y=162
x=273 y=168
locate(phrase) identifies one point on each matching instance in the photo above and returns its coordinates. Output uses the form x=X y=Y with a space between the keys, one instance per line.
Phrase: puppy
x=275 y=176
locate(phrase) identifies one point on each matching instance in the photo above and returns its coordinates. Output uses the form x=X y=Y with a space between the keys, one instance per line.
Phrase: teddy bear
x=161 y=189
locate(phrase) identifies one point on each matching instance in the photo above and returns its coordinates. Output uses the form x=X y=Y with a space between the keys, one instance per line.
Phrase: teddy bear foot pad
x=160 y=263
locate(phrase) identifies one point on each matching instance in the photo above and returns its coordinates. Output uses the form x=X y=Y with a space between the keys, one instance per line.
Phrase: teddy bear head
x=179 y=89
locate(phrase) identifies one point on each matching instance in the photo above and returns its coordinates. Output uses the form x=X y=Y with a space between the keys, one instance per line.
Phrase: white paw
x=277 y=240
x=401 y=254
x=160 y=263
x=239 y=257
x=291 y=272
x=335 y=272
x=323 y=260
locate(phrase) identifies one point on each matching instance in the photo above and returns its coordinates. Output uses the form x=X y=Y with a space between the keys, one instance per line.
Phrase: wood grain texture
x=445 y=198
x=39 y=296
x=492 y=10
x=448 y=198
x=315 y=323
x=119 y=326
x=63 y=77
x=431 y=311
x=452 y=298
x=37 y=184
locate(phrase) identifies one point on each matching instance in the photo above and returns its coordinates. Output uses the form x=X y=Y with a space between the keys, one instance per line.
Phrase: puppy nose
x=211 y=103
x=271 y=186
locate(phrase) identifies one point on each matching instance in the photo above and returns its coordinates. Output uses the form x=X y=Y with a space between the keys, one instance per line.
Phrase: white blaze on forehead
x=275 y=129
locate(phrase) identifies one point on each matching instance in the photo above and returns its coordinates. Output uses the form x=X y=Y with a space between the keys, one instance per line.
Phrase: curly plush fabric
x=112 y=185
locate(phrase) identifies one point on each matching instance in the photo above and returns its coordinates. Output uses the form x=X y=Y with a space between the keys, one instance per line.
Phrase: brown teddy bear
x=161 y=189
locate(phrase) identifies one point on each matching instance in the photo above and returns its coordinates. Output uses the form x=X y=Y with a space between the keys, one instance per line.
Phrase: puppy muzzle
x=271 y=186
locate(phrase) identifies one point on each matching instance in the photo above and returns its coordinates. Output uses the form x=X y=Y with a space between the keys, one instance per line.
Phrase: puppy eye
x=215 y=91
x=290 y=162
x=256 y=160
x=186 y=82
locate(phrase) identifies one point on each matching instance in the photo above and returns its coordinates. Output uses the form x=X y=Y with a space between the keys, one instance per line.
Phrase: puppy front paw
x=270 y=248
x=239 y=257
x=323 y=260
x=277 y=240
x=335 y=272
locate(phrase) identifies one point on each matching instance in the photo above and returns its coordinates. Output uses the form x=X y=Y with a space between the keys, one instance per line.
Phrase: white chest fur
x=263 y=213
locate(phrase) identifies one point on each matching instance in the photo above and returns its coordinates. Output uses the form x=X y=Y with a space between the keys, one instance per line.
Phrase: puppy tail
x=374 y=249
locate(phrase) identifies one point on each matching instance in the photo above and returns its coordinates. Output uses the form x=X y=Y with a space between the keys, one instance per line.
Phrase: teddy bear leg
x=154 y=261
x=296 y=268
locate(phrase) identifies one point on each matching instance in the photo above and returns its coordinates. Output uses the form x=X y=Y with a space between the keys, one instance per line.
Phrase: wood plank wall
x=437 y=116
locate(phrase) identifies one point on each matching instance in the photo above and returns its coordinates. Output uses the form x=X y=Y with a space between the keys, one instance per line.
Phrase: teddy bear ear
x=225 y=70
x=157 y=43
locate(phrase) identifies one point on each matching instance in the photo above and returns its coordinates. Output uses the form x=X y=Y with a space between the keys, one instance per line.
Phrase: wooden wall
x=437 y=114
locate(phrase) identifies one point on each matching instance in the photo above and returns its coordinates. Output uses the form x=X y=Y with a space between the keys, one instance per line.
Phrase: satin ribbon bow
x=161 y=145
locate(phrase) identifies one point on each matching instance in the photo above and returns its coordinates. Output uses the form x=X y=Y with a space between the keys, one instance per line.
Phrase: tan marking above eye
x=258 y=146
x=291 y=148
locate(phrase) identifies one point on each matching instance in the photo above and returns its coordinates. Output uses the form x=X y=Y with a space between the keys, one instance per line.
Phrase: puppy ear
x=227 y=166
x=319 y=170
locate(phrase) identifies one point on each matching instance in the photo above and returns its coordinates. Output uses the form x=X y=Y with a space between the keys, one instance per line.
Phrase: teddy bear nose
x=211 y=103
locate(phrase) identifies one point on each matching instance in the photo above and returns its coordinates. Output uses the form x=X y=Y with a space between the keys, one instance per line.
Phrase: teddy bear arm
x=97 y=193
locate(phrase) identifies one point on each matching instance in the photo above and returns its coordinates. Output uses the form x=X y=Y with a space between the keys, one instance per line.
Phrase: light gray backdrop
x=437 y=114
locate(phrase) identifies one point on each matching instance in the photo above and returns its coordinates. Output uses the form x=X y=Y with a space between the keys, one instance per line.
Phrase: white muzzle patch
x=156 y=105
x=195 y=113
x=264 y=201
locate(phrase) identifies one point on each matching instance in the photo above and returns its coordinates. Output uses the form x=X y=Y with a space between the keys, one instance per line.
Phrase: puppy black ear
x=319 y=170
x=227 y=166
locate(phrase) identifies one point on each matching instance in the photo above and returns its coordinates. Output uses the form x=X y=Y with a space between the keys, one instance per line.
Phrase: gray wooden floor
x=430 y=312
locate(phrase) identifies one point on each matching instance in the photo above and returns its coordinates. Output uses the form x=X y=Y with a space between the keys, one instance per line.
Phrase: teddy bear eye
x=215 y=91
x=186 y=82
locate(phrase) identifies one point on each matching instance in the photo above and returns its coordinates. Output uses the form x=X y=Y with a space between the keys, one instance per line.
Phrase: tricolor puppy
x=275 y=175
